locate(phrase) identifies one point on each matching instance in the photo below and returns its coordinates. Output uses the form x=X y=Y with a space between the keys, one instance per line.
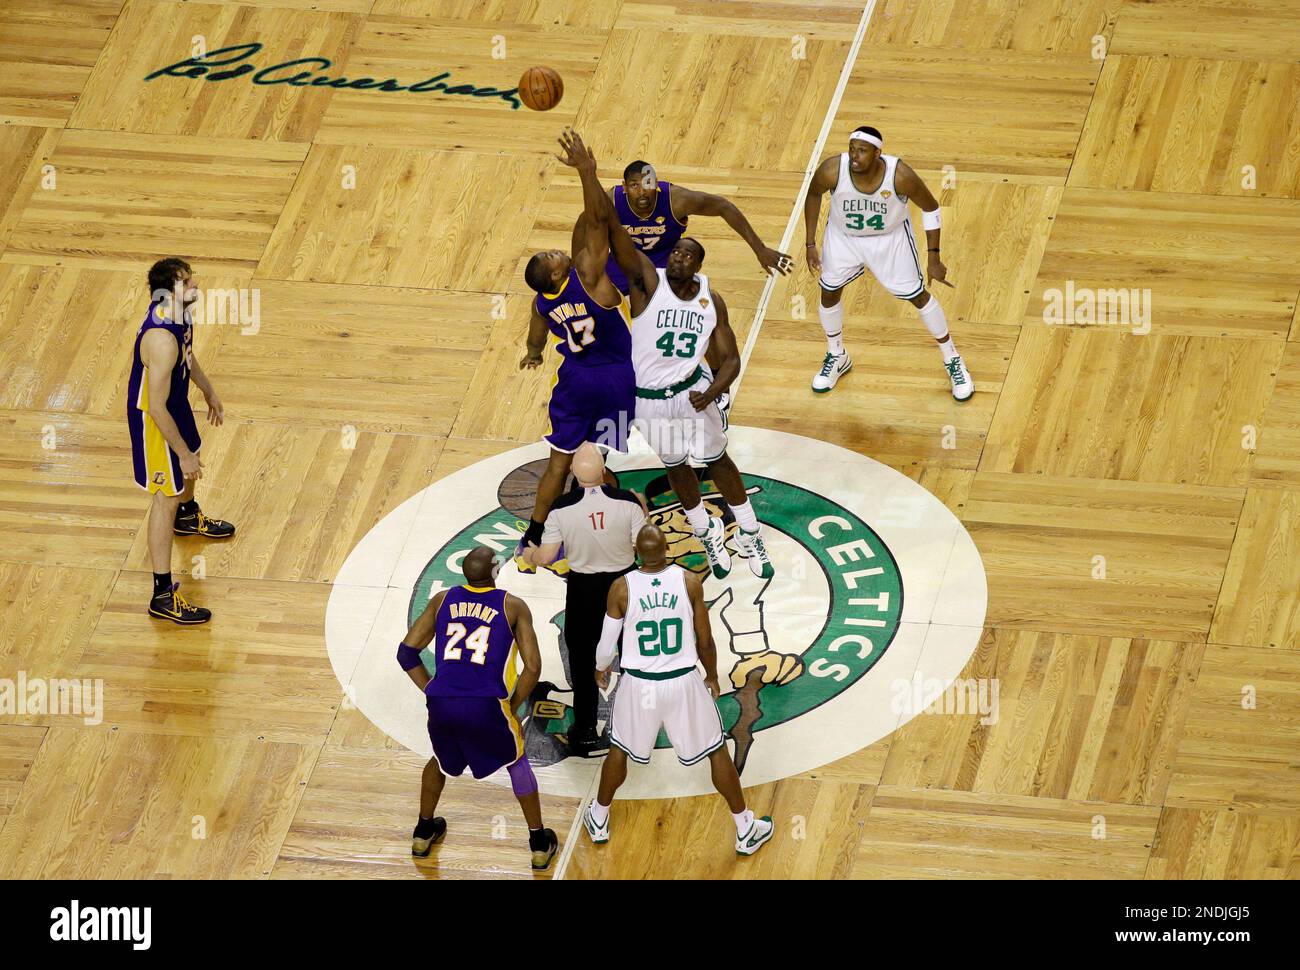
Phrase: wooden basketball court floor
x=1098 y=143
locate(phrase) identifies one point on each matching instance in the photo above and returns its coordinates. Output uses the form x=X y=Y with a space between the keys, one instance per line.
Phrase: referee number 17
x=597 y=519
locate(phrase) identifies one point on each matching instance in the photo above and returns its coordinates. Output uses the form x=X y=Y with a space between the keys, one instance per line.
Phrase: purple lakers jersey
x=160 y=317
x=587 y=333
x=655 y=235
x=473 y=645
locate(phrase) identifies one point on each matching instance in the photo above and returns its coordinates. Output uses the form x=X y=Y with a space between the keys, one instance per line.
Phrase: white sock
x=743 y=821
x=698 y=517
x=934 y=320
x=745 y=516
x=832 y=318
x=599 y=812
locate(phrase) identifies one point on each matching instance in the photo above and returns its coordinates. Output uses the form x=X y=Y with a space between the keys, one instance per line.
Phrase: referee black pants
x=584 y=616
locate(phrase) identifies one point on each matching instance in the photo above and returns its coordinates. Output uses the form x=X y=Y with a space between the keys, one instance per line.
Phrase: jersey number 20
x=654 y=639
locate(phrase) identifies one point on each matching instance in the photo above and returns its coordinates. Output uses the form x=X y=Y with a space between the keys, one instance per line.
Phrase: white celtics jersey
x=856 y=214
x=670 y=336
x=659 y=627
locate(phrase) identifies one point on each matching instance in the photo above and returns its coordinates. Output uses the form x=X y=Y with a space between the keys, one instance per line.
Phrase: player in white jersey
x=676 y=318
x=668 y=632
x=868 y=227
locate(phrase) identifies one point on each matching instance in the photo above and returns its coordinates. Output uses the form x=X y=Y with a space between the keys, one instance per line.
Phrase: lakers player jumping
x=676 y=318
x=868 y=228
x=662 y=605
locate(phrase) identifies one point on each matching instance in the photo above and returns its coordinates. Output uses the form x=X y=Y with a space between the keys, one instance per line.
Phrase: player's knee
x=831 y=297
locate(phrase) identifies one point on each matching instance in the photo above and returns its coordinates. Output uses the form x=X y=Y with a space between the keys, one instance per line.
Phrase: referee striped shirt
x=598 y=526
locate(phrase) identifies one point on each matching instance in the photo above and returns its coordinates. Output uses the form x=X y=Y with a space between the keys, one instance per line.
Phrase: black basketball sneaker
x=171 y=605
x=198 y=524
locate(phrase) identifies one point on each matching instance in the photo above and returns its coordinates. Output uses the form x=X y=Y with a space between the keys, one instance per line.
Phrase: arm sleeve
x=607 y=649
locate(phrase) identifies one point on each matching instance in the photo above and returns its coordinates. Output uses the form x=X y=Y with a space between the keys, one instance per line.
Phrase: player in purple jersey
x=474 y=632
x=165 y=439
x=594 y=396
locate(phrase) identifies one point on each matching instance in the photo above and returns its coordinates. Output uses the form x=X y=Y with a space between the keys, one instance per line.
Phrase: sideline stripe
x=796 y=213
x=575 y=830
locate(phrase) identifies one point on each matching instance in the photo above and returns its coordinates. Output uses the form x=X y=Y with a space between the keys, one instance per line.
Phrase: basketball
x=540 y=88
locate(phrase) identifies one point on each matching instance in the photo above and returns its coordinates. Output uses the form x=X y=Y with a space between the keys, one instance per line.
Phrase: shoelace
x=179 y=603
x=954 y=370
x=827 y=364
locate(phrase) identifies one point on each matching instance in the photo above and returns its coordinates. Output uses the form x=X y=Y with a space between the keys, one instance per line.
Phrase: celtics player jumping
x=868 y=228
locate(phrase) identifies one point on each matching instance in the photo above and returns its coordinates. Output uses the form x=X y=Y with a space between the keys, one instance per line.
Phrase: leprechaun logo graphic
x=876 y=582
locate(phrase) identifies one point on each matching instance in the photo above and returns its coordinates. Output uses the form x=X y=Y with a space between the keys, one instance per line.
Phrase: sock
x=162 y=582
x=832 y=318
x=745 y=516
x=934 y=320
x=187 y=508
x=423 y=828
x=599 y=812
x=743 y=821
x=698 y=517
x=537 y=840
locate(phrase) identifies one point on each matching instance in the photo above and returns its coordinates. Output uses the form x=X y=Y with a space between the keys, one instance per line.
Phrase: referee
x=597 y=525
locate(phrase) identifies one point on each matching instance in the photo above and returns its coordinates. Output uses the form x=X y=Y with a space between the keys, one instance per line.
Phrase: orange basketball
x=540 y=88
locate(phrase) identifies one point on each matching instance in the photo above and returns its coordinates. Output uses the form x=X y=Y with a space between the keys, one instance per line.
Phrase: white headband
x=863 y=136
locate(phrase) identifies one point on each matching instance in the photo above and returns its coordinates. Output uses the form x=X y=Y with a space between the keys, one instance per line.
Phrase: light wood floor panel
x=1225 y=844
x=1259 y=30
x=119 y=98
x=1213 y=265
x=122 y=199
x=786 y=19
x=915 y=834
x=539 y=13
x=1004 y=112
x=1260 y=602
x=18 y=747
x=1090 y=402
x=1239 y=749
x=26 y=150
x=141 y=800
x=1077 y=717
x=49 y=614
x=256 y=670
x=75 y=503
x=1064 y=26
x=425 y=219
x=1178 y=125
x=1277 y=460
x=301 y=498
x=1163 y=548
x=818 y=824
x=47 y=51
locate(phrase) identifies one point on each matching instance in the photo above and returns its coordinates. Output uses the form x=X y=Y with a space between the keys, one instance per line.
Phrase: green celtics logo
x=876 y=584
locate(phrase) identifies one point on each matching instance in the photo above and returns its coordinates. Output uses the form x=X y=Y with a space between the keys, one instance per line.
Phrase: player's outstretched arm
x=688 y=202
x=909 y=183
x=704 y=645
x=823 y=181
x=521 y=622
x=536 y=341
x=635 y=264
x=592 y=250
x=419 y=636
x=722 y=347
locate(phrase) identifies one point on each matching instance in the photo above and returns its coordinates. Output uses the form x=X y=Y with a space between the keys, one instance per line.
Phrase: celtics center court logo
x=877 y=584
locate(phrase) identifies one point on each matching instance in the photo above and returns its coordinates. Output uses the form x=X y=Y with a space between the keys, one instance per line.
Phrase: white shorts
x=891 y=257
x=681 y=705
x=676 y=431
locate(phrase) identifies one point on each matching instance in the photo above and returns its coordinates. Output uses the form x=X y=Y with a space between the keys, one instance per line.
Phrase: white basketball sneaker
x=834 y=366
x=751 y=544
x=715 y=547
x=599 y=833
x=962 y=386
x=758 y=833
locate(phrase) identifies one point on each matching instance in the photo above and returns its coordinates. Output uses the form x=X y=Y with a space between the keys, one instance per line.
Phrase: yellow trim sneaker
x=834 y=366
x=542 y=857
x=171 y=605
x=421 y=847
x=758 y=833
x=199 y=524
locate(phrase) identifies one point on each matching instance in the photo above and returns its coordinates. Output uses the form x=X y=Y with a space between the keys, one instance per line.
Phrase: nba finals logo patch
x=884 y=194
x=877 y=584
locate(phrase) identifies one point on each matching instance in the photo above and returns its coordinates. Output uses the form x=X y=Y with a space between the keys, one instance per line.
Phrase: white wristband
x=931 y=220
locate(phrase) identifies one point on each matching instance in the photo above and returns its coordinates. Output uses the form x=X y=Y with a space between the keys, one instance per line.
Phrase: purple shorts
x=592 y=403
x=475 y=732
